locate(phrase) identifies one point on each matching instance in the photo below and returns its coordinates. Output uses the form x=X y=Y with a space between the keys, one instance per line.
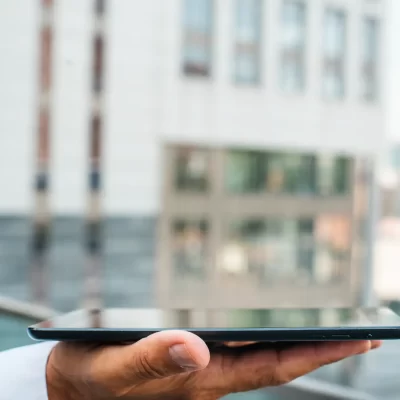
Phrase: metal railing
x=23 y=309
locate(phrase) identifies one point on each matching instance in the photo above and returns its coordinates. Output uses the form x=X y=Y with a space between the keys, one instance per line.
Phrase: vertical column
x=41 y=228
x=94 y=239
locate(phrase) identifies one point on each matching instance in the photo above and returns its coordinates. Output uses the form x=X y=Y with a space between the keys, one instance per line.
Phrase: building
x=259 y=186
x=237 y=125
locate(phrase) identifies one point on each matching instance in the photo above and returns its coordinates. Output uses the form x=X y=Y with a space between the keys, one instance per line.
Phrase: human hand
x=177 y=365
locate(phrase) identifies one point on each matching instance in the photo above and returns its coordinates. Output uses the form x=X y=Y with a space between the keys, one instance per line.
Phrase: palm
x=241 y=370
x=142 y=372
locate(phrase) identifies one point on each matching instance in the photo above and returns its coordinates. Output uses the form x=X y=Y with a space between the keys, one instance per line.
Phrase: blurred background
x=202 y=154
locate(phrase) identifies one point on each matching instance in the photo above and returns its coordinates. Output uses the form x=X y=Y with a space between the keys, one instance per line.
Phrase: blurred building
x=233 y=131
x=274 y=105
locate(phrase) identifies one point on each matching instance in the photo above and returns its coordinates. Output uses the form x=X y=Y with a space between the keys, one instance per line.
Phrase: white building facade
x=292 y=76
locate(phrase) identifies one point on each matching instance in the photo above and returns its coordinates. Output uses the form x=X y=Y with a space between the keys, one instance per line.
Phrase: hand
x=177 y=365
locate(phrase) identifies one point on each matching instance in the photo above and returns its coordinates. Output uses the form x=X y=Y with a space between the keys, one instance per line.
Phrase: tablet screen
x=223 y=319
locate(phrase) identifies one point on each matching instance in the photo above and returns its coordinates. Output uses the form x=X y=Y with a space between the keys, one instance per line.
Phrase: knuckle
x=146 y=370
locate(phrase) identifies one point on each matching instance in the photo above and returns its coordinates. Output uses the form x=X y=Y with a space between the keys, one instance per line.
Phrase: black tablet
x=126 y=325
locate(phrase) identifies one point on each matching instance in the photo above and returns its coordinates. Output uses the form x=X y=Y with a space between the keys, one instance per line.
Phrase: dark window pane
x=245 y=172
x=191 y=170
x=369 y=72
x=41 y=237
x=342 y=175
x=293 y=45
x=334 y=54
x=95 y=181
x=300 y=174
x=247 y=41
x=94 y=237
x=189 y=247
x=197 y=41
x=42 y=182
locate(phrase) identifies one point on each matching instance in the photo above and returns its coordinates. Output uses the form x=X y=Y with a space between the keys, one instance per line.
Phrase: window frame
x=257 y=44
x=209 y=47
x=328 y=64
x=299 y=55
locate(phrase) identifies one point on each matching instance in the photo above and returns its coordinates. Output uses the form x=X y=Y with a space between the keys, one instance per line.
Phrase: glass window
x=281 y=250
x=197 y=41
x=333 y=244
x=300 y=174
x=334 y=54
x=252 y=172
x=191 y=169
x=248 y=318
x=294 y=318
x=285 y=250
x=189 y=247
x=369 y=73
x=325 y=175
x=275 y=173
x=244 y=250
x=293 y=20
x=245 y=172
x=342 y=175
x=305 y=248
x=291 y=173
x=247 y=41
x=333 y=175
x=263 y=249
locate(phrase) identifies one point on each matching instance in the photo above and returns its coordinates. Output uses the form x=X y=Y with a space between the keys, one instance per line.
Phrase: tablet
x=129 y=325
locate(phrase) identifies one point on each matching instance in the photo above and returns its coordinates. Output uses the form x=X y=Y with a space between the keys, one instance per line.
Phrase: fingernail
x=181 y=356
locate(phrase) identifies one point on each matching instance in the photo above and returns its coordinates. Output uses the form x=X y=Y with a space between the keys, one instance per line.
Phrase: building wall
x=18 y=75
x=149 y=102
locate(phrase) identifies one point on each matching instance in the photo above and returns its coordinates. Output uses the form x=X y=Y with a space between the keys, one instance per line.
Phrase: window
x=291 y=173
x=254 y=172
x=334 y=49
x=94 y=237
x=42 y=182
x=244 y=252
x=333 y=244
x=94 y=180
x=191 y=169
x=251 y=172
x=293 y=45
x=369 y=73
x=305 y=247
x=247 y=41
x=333 y=175
x=300 y=173
x=270 y=250
x=197 y=52
x=189 y=247
x=342 y=175
x=245 y=172
x=325 y=178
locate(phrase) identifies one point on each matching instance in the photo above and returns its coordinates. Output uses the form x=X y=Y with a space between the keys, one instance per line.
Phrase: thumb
x=164 y=354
